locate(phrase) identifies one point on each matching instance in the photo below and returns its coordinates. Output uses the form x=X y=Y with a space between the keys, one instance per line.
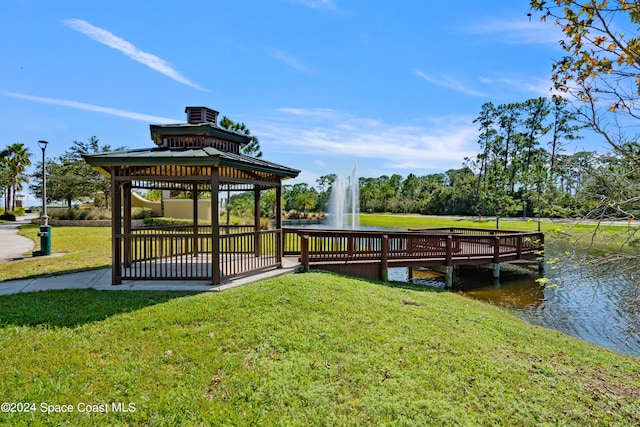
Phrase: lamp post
x=45 y=229
x=44 y=219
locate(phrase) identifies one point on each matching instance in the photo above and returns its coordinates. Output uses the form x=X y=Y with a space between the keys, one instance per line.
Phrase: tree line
x=521 y=169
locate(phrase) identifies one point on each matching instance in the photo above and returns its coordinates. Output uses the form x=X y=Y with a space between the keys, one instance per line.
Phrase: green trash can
x=45 y=240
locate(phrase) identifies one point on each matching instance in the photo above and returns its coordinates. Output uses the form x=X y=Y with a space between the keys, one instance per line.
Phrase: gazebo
x=203 y=161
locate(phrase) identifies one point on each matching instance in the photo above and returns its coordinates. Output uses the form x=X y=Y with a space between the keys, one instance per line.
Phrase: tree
x=70 y=178
x=325 y=184
x=17 y=158
x=486 y=119
x=600 y=72
x=601 y=68
x=5 y=180
x=253 y=147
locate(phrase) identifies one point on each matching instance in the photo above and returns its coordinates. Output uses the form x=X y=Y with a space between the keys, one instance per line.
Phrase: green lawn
x=304 y=349
x=82 y=248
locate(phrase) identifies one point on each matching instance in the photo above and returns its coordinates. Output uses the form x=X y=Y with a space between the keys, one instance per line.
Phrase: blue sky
x=325 y=84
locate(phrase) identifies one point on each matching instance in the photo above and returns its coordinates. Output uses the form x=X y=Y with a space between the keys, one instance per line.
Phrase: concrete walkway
x=101 y=280
x=13 y=247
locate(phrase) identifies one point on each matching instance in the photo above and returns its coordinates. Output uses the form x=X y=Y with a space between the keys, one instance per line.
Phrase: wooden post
x=541 y=257
x=448 y=278
x=257 y=241
x=449 y=253
x=126 y=197
x=280 y=241
x=350 y=245
x=116 y=224
x=384 y=258
x=495 y=266
x=196 y=241
x=215 y=227
x=519 y=246
x=304 y=252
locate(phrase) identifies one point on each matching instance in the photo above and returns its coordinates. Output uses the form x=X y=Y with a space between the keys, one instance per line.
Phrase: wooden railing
x=182 y=252
x=247 y=252
x=445 y=246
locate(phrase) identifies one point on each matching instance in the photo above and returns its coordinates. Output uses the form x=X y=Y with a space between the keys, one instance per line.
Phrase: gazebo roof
x=201 y=129
x=198 y=156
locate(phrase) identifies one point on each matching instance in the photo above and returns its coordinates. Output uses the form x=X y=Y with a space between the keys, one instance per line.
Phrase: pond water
x=598 y=303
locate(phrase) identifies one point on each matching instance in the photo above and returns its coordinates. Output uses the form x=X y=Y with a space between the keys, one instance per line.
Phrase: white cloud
x=108 y=39
x=289 y=60
x=503 y=86
x=317 y=4
x=517 y=31
x=449 y=83
x=436 y=144
x=96 y=108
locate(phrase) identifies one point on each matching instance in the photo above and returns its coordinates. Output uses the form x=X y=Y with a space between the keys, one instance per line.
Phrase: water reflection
x=598 y=303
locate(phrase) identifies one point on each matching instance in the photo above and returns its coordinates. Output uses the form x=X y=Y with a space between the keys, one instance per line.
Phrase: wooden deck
x=370 y=254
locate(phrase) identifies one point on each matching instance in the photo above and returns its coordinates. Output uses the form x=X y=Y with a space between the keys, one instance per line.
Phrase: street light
x=45 y=229
x=44 y=219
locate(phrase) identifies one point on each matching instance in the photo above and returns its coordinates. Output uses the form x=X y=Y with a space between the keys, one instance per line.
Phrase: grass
x=83 y=248
x=306 y=349
x=312 y=349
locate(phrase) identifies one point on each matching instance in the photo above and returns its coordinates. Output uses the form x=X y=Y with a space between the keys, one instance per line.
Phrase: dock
x=370 y=254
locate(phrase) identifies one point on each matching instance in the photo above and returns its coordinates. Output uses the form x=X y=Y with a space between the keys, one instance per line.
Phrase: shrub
x=265 y=224
x=99 y=213
x=141 y=213
x=18 y=212
x=8 y=217
x=293 y=214
x=68 y=214
x=80 y=214
x=167 y=222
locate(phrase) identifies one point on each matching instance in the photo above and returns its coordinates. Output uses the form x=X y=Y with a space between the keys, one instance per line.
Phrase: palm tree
x=5 y=177
x=17 y=157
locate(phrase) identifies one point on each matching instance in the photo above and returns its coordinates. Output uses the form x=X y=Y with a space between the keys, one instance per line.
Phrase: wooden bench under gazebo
x=200 y=159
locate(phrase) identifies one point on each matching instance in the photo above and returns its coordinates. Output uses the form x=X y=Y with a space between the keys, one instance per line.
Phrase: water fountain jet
x=344 y=204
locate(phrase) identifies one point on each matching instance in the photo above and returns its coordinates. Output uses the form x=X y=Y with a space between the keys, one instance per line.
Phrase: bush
x=8 y=217
x=265 y=224
x=99 y=213
x=18 y=212
x=167 y=222
x=141 y=213
x=80 y=214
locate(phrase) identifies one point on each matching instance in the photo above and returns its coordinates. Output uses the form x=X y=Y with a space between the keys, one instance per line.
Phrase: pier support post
x=448 y=278
x=384 y=258
x=495 y=267
x=541 y=266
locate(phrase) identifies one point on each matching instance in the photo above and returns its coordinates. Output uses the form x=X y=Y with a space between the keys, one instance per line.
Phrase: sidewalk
x=14 y=247
x=101 y=280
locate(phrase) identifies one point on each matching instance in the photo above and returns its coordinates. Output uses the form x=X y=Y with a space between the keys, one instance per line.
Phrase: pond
x=597 y=303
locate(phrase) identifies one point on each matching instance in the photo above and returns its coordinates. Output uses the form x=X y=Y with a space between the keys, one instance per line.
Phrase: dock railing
x=435 y=246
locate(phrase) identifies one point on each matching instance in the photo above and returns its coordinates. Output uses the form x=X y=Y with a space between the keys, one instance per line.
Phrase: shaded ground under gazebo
x=202 y=160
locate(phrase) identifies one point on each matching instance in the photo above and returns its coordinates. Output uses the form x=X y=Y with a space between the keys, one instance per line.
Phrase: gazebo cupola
x=203 y=162
x=201 y=130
